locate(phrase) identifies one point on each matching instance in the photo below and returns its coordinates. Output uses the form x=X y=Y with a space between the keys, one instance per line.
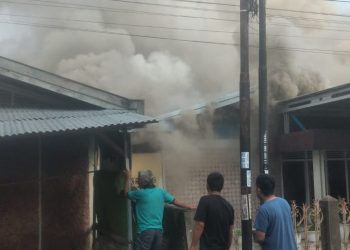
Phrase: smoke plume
x=172 y=74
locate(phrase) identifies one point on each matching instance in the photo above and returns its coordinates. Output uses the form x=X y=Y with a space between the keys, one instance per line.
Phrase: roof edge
x=328 y=95
x=67 y=87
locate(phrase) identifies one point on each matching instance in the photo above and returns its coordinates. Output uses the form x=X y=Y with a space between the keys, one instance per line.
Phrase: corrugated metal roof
x=14 y=121
x=330 y=95
x=229 y=99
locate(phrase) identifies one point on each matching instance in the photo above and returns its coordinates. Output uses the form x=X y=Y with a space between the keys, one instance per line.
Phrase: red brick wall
x=18 y=194
x=65 y=188
x=65 y=192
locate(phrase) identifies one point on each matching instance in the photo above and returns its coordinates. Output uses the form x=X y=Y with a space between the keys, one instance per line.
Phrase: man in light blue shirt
x=273 y=224
x=149 y=201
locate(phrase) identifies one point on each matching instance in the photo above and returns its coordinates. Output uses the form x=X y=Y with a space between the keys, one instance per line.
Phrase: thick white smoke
x=172 y=74
x=161 y=78
x=167 y=74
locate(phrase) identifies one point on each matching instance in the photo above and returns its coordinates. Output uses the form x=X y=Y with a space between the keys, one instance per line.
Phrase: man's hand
x=196 y=234
x=259 y=237
x=183 y=205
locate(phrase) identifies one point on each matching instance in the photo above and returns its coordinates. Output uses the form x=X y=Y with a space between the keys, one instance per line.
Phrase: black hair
x=266 y=183
x=215 y=181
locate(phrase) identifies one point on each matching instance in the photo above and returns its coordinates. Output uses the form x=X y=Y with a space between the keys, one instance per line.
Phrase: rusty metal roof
x=14 y=121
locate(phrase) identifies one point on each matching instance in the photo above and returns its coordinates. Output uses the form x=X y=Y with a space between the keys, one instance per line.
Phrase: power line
x=308 y=27
x=166 y=27
x=115 y=33
x=340 y=1
x=309 y=19
x=205 y=2
x=305 y=50
x=277 y=9
x=310 y=12
x=176 y=6
x=296 y=36
x=93 y=7
x=234 y=12
x=190 y=1
x=119 y=24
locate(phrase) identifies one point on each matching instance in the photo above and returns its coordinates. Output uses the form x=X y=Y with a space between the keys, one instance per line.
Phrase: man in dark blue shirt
x=273 y=224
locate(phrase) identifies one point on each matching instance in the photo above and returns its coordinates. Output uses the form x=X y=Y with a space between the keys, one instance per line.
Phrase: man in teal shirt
x=149 y=201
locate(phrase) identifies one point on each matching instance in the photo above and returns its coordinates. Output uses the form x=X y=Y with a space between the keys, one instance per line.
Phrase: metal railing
x=344 y=223
x=307 y=221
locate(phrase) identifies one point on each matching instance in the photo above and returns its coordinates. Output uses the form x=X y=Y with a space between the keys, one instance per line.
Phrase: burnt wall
x=65 y=200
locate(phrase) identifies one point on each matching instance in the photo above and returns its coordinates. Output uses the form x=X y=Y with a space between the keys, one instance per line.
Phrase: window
x=298 y=177
x=338 y=163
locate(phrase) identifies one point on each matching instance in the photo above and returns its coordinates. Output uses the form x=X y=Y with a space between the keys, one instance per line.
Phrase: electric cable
x=176 y=6
x=118 y=10
x=307 y=50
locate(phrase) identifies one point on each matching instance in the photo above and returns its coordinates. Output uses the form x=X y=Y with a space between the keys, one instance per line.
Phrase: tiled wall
x=189 y=184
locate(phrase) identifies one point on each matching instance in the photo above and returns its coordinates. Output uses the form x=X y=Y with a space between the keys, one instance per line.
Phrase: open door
x=111 y=206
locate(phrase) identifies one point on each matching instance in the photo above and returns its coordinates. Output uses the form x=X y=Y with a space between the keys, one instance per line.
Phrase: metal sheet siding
x=31 y=121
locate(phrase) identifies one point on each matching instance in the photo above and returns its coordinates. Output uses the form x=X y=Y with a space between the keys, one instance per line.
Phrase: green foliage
x=237 y=232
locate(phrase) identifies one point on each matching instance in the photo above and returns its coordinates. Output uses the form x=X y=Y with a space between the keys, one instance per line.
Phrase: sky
x=90 y=42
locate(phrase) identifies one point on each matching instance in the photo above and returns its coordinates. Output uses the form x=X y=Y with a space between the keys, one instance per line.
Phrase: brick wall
x=64 y=198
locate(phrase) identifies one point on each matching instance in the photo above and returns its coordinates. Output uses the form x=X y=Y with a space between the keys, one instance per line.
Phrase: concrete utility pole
x=246 y=173
x=263 y=93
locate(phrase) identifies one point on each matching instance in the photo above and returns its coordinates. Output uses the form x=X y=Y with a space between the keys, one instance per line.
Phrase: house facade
x=309 y=148
x=314 y=145
x=63 y=147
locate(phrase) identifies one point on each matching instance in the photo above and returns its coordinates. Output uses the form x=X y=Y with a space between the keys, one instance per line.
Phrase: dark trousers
x=150 y=239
